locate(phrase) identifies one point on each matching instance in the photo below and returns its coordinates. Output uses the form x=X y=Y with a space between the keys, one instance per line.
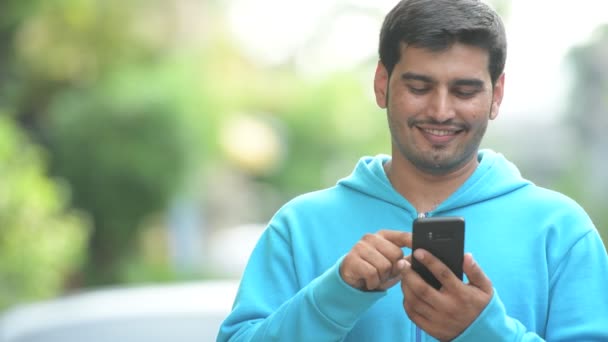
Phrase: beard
x=439 y=159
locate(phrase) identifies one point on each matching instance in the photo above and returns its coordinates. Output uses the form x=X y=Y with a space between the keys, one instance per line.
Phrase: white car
x=185 y=312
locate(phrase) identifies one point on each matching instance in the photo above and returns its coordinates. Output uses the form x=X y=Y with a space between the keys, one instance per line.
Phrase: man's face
x=438 y=105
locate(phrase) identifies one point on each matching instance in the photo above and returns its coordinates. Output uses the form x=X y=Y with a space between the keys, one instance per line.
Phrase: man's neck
x=423 y=190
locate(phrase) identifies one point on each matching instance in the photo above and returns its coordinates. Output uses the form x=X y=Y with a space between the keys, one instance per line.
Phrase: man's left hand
x=447 y=312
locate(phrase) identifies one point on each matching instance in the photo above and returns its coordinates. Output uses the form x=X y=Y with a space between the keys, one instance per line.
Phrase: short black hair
x=437 y=24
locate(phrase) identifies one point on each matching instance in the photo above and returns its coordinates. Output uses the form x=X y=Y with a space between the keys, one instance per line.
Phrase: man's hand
x=376 y=261
x=447 y=312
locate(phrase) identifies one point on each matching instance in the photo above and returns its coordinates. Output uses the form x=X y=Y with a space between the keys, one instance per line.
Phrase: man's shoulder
x=316 y=200
x=549 y=196
x=553 y=202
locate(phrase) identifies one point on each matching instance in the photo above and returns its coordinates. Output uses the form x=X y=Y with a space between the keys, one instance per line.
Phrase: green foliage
x=41 y=240
x=329 y=123
x=123 y=151
x=92 y=81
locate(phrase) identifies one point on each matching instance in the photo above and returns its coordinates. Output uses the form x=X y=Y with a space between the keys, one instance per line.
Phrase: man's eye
x=465 y=93
x=418 y=90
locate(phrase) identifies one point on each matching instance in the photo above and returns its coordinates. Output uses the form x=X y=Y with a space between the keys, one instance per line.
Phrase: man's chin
x=439 y=162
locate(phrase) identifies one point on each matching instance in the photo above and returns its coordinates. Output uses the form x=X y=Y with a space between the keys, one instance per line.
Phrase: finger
x=398 y=238
x=395 y=276
x=476 y=275
x=412 y=282
x=382 y=265
x=401 y=264
x=444 y=274
x=371 y=278
x=387 y=284
x=357 y=272
x=414 y=304
x=367 y=276
x=417 y=313
x=385 y=246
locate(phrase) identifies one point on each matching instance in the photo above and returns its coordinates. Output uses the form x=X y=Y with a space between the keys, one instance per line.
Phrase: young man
x=331 y=266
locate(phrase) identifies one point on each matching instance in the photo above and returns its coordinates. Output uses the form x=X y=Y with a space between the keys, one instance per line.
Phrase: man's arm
x=270 y=305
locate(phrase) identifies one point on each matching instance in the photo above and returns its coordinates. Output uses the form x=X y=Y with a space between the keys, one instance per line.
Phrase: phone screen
x=444 y=238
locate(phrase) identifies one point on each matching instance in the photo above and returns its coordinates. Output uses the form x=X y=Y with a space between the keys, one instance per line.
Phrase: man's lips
x=440 y=132
x=439 y=135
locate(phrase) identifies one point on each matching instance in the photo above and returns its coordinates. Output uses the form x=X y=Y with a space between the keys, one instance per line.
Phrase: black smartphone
x=444 y=238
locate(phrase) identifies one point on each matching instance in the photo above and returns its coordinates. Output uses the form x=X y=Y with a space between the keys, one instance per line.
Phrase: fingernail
x=419 y=254
x=473 y=263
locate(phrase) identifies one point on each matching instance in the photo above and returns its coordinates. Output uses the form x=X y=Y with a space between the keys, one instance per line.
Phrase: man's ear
x=381 y=85
x=499 y=91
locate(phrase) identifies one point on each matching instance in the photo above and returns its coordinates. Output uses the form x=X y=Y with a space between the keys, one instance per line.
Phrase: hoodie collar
x=494 y=176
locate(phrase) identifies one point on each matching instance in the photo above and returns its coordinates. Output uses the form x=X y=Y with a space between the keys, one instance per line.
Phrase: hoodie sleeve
x=271 y=306
x=578 y=308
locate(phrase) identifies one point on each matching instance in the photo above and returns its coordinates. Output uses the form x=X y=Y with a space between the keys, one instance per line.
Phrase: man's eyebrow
x=468 y=82
x=410 y=76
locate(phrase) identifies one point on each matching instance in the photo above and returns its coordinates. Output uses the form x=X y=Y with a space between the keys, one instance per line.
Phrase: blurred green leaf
x=41 y=240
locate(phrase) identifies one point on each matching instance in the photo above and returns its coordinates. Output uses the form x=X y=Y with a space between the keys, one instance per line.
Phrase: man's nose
x=441 y=107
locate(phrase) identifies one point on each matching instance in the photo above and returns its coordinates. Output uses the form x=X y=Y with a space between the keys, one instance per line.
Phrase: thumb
x=475 y=275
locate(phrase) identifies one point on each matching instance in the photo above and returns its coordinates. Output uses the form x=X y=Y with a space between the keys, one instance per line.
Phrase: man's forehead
x=456 y=58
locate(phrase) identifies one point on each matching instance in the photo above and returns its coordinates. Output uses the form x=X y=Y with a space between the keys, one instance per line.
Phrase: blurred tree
x=322 y=125
x=587 y=115
x=123 y=154
x=88 y=79
x=41 y=241
x=331 y=123
x=68 y=44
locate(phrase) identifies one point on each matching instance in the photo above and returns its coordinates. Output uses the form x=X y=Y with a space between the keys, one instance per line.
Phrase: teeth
x=439 y=132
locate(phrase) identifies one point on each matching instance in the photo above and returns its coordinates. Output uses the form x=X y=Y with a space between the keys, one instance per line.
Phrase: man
x=330 y=265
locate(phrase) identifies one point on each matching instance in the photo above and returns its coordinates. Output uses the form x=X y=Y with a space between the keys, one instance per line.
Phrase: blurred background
x=149 y=141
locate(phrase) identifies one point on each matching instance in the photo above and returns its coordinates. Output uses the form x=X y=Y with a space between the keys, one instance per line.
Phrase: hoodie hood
x=494 y=177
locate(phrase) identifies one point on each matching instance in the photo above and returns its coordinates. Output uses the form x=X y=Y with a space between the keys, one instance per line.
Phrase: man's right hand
x=376 y=261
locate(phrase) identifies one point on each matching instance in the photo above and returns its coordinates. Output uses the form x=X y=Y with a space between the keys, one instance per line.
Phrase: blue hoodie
x=539 y=248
